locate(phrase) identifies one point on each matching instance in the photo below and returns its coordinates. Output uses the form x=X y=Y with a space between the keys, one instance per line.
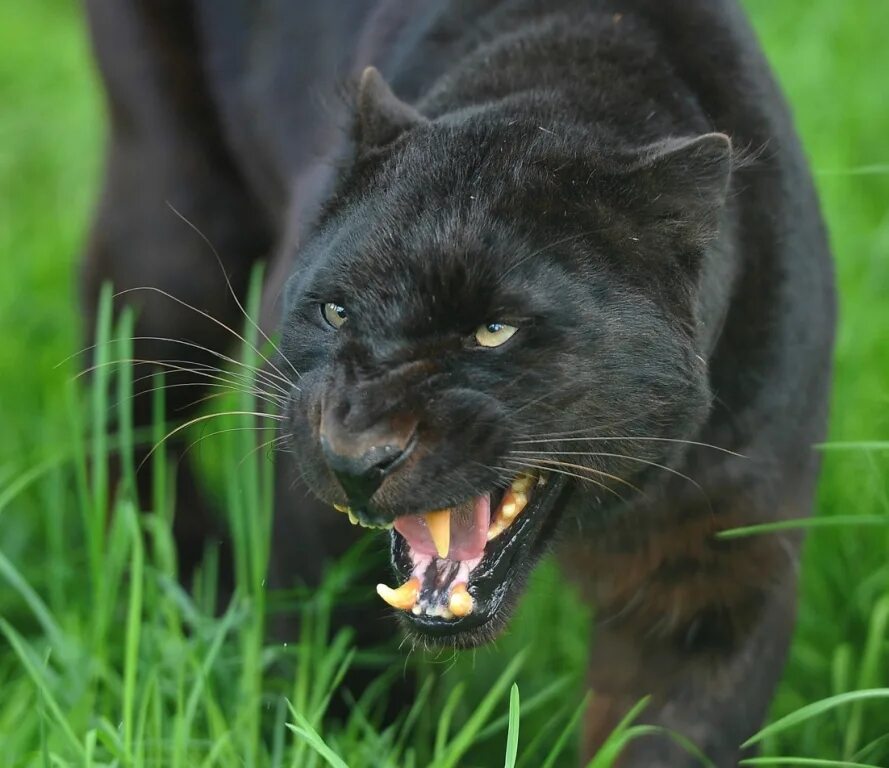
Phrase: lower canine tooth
x=460 y=602
x=404 y=598
x=439 y=524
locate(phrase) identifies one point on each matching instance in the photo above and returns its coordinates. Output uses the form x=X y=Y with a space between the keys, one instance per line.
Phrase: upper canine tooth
x=439 y=524
x=460 y=601
x=404 y=598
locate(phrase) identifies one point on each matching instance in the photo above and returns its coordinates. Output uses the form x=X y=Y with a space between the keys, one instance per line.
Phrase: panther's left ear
x=381 y=116
x=684 y=180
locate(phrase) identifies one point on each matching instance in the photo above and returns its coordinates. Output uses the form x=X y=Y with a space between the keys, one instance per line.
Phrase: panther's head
x=490 y=320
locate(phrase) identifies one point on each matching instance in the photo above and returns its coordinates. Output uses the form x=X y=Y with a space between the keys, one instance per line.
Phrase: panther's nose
x=362 y=459
x=361 y=475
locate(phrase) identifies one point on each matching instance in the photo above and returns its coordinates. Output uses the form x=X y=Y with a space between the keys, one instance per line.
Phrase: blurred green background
x=831 y=57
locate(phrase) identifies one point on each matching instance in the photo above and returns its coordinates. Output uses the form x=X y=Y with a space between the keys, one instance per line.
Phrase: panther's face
x=477 y=340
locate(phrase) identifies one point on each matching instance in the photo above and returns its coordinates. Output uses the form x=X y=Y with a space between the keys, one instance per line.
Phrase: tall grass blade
x=466 y=735
x=512 y=737
x=27 y=658
x=814 y=710
x=311 y=736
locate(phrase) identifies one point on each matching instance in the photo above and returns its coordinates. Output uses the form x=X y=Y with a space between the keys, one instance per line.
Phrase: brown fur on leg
x=698 y=623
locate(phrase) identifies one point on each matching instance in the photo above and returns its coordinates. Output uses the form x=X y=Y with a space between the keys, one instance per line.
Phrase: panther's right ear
x=381 y=116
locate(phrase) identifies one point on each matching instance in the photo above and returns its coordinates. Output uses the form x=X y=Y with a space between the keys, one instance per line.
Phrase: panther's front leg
x=700 y=624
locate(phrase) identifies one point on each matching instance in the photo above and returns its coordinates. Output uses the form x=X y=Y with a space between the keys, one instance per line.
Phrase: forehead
x=445 y=222
x=431 y=262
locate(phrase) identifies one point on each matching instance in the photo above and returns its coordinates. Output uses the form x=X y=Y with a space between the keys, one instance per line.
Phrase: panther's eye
x=334 y=314
x=494 y=334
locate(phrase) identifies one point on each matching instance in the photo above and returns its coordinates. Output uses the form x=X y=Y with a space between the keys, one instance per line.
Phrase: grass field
x=104 y=660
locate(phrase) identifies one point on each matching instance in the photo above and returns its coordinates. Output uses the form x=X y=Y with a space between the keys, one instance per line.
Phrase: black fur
x=619 y=180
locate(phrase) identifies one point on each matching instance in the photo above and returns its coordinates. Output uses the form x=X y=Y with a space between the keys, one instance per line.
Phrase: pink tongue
x=469 y=530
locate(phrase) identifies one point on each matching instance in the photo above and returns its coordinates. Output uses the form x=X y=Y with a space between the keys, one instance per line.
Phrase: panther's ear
x=381 y=116
x=684 y=180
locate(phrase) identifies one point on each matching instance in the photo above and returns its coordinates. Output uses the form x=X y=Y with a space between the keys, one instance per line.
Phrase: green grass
x=105 y=660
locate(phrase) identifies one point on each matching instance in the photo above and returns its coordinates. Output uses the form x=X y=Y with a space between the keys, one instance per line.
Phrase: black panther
x=548 y=276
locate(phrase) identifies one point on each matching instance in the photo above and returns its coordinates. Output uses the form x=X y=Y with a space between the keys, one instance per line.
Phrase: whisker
x=282 y=439
x=629 y=438
x=198 y=420
x=231 y=290
x=504 y=476
x=619 y=456
x=226 y=390
x=235 y=386
x=185 y=304
x=601 y=473
x=269 y=377
x=228 y=430
x=171 y=365
x=530 y=465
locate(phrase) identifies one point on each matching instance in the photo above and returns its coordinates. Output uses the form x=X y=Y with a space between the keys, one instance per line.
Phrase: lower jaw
x=494 y=579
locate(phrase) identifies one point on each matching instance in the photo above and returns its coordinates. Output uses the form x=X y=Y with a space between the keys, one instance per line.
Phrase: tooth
x=439 y=524
x=404 y=598
x=460 y=602
x=509 y=507
x=521 y=500
x=522 y=483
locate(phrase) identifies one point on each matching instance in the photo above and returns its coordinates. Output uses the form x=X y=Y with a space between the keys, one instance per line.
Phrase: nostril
x=360 y=476
x=398 y=456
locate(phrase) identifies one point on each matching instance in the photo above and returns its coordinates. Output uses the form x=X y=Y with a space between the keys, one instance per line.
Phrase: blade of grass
x=683 y=741
x=833 y=521
x=814 y=710
x=531 y=705
x=465 y=737
x=444 y=719
x=617 y=739
x=40 y=610
x=799 y=762
x=96 y=513
x=26 y=657
x=567 y=732
x=512 y=735
x=132 y=635
x=314 y=740
x=869 y=673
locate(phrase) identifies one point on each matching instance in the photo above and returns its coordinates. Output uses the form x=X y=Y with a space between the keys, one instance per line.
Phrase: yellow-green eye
x=334 y=314
x=494 y=334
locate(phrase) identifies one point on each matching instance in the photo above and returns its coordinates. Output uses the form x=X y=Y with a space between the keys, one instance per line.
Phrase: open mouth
x=458 y=565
